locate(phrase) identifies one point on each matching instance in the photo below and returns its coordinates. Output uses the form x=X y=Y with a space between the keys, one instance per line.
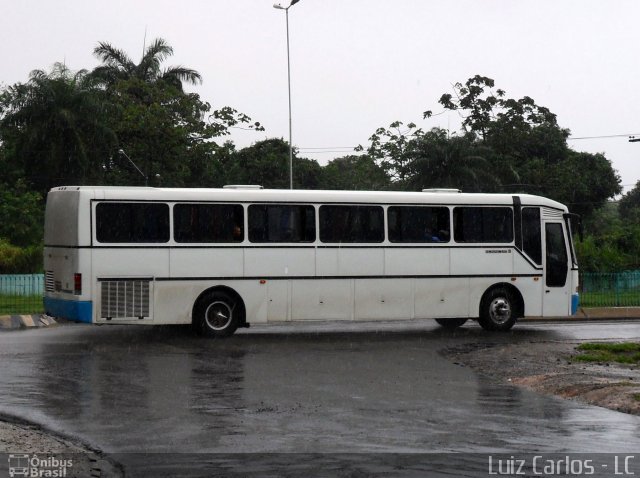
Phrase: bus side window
x=418 y=224
x=281 y=223
x=129 y=222
x=208 y=223
x=489 y=225
x=351 y=224
x=532 y=234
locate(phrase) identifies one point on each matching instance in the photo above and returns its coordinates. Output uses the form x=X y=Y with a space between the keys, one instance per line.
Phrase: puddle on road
x=364 y=392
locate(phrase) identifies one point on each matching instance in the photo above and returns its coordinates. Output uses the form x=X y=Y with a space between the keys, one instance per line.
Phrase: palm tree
x=149 y=103
x=452 y=162
x=55 y=124
x=117 y=65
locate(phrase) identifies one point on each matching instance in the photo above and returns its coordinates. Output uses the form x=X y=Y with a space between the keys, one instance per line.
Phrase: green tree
x=597 y=255
x=164 y=134
x=21 y=222
x=507 y=144
x=21 y=214
x=526 y=138
x=53 y=129
x=354 y=172
x=441 y=161
x=583 y=181
x=117 y=66
x=487 y=114
x=392 y=148
x=267 y=163
x=20 y=260
x=168 y=133
x=415 y=159
x=610 y=243
x=629 y=205
x=306 y=173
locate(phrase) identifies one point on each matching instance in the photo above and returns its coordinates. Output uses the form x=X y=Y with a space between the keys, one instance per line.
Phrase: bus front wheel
x=451 y=324
x=497 y=310
x=216 y=315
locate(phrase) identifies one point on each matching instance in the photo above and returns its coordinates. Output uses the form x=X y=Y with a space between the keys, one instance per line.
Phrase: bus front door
x=556 y=297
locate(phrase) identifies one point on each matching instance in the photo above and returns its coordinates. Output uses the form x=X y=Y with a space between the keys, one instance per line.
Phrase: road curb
x=88 y=460
x=13 y=322
x=611 y=312
x=593 y=314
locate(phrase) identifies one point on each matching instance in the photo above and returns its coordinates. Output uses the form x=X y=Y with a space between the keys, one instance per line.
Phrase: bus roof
x=254 y=194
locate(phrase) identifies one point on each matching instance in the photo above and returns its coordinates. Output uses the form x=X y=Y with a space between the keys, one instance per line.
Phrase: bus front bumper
x=74 y=310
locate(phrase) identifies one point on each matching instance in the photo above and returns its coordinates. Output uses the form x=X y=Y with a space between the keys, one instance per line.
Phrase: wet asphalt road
x=335 y=389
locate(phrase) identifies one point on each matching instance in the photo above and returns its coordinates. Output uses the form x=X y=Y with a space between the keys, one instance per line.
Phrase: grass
x=626 y=353
x=627 y=298
x=636 y=396
x=20 y=304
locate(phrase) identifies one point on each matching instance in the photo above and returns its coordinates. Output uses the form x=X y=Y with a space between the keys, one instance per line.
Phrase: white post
x=290 y=120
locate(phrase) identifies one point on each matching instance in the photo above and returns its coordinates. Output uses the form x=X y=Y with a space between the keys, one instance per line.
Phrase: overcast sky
x=361 y=64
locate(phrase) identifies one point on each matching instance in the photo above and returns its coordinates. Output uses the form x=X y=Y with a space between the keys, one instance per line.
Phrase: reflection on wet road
x=368 y=388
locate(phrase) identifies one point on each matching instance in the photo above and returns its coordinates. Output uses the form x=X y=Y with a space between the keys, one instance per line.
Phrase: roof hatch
x=242 y=186
x=441 y=190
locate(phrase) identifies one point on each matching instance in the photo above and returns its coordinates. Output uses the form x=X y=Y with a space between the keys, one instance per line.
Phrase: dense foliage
x=128 y=123
x=513 y=145
x=612 y=237
x=506 y=145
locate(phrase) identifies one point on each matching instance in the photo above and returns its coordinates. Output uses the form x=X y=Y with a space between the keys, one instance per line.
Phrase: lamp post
x=286 y=11
x=146 y=179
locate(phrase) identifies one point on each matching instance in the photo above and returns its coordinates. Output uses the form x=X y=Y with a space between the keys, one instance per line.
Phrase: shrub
x=20 y=260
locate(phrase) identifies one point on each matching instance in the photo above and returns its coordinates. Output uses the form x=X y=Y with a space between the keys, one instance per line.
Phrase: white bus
x=226 y=258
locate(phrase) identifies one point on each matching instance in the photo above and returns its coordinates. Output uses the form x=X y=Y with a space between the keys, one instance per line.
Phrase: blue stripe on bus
x=75 y=310
x=575 y=302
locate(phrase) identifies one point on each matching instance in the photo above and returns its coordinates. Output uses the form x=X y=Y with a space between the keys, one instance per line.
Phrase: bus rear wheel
x=216 y=315
x=497 y=311
x=451 y=324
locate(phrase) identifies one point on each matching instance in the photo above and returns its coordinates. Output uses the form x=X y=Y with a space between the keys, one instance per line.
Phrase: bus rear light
x=77 y=283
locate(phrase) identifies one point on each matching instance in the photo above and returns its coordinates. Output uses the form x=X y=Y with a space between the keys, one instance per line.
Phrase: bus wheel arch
x=218 y=312
x=500 y=306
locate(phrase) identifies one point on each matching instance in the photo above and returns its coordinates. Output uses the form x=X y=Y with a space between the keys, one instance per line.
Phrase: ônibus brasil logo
x=38 y=467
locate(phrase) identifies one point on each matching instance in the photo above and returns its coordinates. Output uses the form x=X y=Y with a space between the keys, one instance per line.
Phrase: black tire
x=216 y=314
x=451 y=324
x=497 y=310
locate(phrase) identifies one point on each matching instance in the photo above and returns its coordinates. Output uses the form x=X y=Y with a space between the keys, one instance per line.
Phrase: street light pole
x=286 y=12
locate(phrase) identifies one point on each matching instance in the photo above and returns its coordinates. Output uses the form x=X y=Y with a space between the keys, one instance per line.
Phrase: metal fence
x=21 y=294
x=615 y=289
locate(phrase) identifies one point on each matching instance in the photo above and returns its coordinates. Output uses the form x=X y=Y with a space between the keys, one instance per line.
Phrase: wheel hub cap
x=218 y=315
x=500 y=310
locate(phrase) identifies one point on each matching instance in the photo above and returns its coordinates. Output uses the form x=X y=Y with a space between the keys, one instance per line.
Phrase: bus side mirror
x=577 y=220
